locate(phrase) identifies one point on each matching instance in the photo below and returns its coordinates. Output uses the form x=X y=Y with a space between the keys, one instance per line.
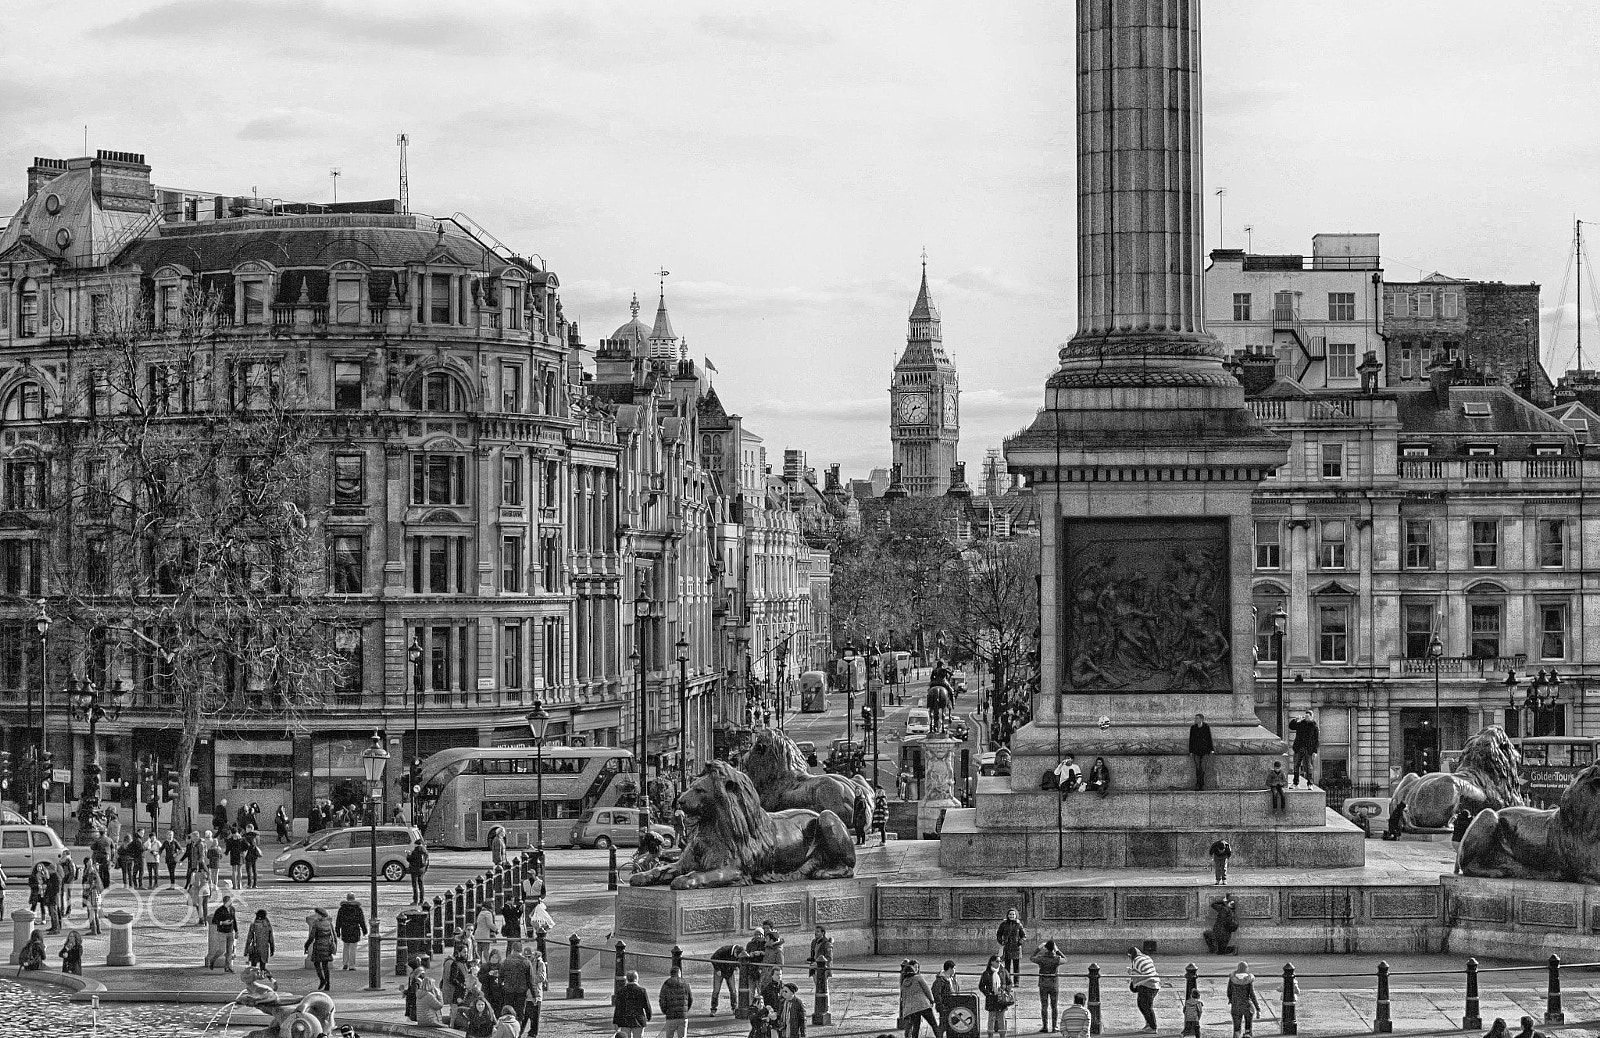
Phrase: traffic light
x=5 y=770
x=866 y=718
x=169 y=786
x=47 y=762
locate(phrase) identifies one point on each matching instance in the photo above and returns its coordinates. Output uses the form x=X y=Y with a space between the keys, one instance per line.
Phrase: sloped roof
x=1419 y=412
x=1284 y=388
x=1577 y=411
x=308 y=241
x=712 y=414
x=923 y=308
x=91 y=229
x=663 y=327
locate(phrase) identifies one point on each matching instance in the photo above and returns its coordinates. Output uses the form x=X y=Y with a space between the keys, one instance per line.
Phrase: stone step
x=966 y=848
x=1000 y=806
x=1159 y=771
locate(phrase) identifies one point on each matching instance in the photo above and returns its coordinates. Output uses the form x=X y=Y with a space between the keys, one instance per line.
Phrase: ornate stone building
x=467 y=497
x=925 y=404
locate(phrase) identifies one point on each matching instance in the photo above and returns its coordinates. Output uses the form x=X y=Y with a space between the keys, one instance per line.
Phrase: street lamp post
x=373 y=759
x=683 y=711
x=1436 y=657
x=538 y=723
x=41 y=776
x=414 y=654
x=639 y=736
x=86 y=704
x=1280 y=625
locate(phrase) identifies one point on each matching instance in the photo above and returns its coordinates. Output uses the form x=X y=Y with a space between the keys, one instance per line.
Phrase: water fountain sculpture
x=292 y=1016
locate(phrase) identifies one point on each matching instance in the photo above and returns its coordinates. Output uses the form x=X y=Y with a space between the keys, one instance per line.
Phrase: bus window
x=1535 y=753
x=1582 y=754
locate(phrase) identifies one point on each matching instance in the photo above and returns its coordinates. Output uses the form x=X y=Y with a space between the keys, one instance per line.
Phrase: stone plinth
x=1001 y=806
x=653 y=919
x=1521 y=918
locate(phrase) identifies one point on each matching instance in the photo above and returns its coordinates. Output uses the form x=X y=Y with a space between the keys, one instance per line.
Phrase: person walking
x=916 y=1001
x=485 y=928
x=280 y=823
x=101 y=850
x=200 y=893
x=1200 y=747
x=511 y=924
x=675 y=998
x=224 y=933
x=92 y=888
x=541 y=976
x=1242 y=1003
x=351 y=925
x=252 y=856
x=1075 y=1018
x=516 y=976
x=945 y=989
x=320 y=940
x=1049 y=959
x=880 y=814
x=234 y=844
x=1009 y=937
x=213 y=856
x=154 y=848
x=136 y=859
x=997 y=990
x=1221 y=851
x=259 y=945
x=497 y=846
x=821 y=952
x=1275 y=783
x=169 y=858
x=1307 y=741
x=44 y=894
x=1145 y=984
x=68 y=868
x=194 y=856
x=417 y=866
x=861 y=817
x=632 y=1008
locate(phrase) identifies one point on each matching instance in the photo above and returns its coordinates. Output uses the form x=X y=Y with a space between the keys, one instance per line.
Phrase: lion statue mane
x=1562 y=845
x=734 y=842
x=1484 y=778
x=780 y=775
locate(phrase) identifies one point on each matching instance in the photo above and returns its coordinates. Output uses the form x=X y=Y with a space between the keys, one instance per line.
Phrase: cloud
x=749 y=27
x=282 y=124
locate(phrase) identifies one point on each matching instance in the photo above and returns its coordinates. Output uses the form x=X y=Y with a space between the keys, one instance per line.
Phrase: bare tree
x=994 y=618
x=180 y=470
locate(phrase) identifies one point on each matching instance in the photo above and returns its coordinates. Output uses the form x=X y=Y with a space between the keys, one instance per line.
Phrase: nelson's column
x=1144 y=457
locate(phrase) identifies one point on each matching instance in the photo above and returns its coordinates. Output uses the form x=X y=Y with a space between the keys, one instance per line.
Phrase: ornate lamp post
x=639 y=736
x=1537 y=702
x=683 y=711
x=373 y=760
x=1280 y=626
x=40 y=777
x=1436 y=658
x=539 y=723
x=86 y=703
x=414 y=654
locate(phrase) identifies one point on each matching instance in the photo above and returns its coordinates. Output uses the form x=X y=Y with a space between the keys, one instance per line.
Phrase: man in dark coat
x=351 y=925
x=1200 y=747
x=632 y=1011
x=1307 y=741
x=724 y=965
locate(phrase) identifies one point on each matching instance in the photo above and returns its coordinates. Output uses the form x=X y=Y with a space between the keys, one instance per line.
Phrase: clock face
x=913 y=408
x=950 y=410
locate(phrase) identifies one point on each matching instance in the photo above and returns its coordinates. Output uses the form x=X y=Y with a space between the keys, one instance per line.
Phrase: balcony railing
x=1483 y=470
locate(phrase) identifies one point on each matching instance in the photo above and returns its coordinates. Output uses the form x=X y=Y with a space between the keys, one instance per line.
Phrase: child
x=1192 y=1008
x=413 y=985
x=1275 y=782
x=760 y=1018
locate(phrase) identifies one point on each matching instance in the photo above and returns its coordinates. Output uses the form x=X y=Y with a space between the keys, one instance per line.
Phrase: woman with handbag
x=998 y=995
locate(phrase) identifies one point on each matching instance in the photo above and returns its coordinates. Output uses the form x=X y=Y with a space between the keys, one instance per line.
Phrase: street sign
x=962 y=1016
x=61 y=775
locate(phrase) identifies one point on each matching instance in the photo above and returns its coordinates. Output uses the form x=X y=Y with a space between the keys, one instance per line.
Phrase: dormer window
x=511 y=301
x=1480 y=450
x=28 y=308
x=1415 y=450
x=434 y=302
x=1475 y=409
x=253 y=301
x=347 y=300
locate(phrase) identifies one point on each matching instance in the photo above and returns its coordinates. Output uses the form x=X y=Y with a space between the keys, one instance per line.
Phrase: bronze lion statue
x=1527 y=843
x=1485 y=777
x=734 y=842
x=779 y=772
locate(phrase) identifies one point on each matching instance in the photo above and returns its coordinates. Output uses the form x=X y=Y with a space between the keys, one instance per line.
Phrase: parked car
x=918 y=721
x=23 y=845
x=615 y=827
x=1371 y=813
x=347 y=852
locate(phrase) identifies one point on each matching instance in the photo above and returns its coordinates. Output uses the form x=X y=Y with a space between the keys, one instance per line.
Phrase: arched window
x=25 y=403
x=438 y=391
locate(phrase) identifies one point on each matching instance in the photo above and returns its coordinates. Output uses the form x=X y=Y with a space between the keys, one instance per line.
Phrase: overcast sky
x=787 y=162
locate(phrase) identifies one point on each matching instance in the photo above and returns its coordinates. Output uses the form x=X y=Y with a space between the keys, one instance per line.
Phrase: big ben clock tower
x=924 y=399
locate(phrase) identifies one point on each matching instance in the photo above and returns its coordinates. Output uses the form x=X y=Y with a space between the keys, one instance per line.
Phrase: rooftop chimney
x=42 y=172
x=1258 y=370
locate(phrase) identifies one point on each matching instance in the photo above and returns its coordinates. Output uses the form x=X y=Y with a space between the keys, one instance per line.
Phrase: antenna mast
x=1577 y=251
x=335 y=173
x=404 y=140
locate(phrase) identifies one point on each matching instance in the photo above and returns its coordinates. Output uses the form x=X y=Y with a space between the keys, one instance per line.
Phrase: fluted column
x=1139 y=198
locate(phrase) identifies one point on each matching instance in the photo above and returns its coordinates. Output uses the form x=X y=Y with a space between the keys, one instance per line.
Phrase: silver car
x=615 y=826
x=22 y=846
x=347 y=852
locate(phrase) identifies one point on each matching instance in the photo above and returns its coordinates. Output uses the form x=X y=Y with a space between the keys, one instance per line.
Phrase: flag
x=710 y=366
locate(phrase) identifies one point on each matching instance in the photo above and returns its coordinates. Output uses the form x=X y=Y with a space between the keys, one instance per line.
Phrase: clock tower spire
x=924 y=400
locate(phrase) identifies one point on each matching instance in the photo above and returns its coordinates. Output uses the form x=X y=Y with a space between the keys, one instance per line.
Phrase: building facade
x=925 y=403
x=1455 y=511
x=1487 y=327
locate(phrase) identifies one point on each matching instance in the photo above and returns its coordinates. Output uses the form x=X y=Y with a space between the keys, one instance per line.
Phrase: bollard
x=120 y=951
x=622 y=969
x=741 y=1002
x=611 y=872
x=447 y=932
x=21 y=930
x=1473 y=1018
x=1191 y=981
x=822 y=1012
x=1094 y=998
x=439 y=926
x=574 y=969
x=1552 y=1008
x=409 y=927
x=1381 y=1024
x=677 y=958
x=1291 y=995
